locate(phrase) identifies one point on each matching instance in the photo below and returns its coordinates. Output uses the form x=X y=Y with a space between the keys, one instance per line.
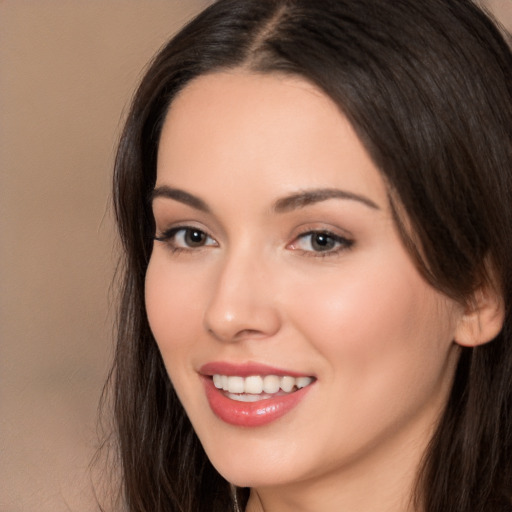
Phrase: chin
x=257 y=464
x=248 y=475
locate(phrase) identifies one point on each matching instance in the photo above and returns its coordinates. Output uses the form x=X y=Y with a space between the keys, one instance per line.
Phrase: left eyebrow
x=305 y=198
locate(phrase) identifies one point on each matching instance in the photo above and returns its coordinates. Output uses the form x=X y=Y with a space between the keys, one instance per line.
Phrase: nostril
x=239 y=335
x=249 y=333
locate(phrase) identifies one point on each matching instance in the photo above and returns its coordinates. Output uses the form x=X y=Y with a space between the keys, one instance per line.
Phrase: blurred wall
x=67 y=70
x=502 y=9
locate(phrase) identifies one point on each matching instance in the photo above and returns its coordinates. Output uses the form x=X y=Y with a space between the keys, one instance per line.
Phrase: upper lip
x=246 y=369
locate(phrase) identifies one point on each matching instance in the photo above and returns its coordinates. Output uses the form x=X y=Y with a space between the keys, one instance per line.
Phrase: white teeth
x=287 y=383
x=302 y=382
x=236 y=384
x=217 y=381
x=255 y=384
x=271 y=384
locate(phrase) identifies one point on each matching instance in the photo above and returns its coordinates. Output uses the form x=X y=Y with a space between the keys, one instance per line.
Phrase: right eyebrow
x=179 y=195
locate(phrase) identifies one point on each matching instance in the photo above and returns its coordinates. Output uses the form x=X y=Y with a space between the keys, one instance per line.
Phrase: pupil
x=322 y=242
x=194 y=237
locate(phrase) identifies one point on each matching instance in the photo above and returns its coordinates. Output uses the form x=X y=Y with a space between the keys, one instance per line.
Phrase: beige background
x=67 y=70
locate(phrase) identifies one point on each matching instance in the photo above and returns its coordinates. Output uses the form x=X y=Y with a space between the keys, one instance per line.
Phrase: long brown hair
x=427 y=86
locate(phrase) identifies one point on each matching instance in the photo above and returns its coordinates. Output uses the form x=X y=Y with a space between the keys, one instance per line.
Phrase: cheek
x=172 y=305
x=378 y=329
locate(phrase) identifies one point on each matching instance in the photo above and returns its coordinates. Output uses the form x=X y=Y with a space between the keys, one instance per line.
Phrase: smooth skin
x=320 y=285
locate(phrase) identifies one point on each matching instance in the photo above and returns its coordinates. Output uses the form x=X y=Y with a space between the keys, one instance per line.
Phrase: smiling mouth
x=255 y=387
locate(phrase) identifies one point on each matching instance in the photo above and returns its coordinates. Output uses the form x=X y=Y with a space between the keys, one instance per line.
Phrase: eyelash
x=340 y=243
x=169 y=237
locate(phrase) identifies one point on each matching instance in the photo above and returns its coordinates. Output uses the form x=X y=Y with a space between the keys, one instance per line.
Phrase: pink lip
x=248 y=414
x=245 y=370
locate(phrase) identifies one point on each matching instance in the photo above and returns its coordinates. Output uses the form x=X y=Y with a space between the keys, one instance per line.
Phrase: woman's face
x=277 y=266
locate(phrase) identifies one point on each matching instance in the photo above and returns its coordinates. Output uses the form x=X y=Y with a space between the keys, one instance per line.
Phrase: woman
x=314 y=203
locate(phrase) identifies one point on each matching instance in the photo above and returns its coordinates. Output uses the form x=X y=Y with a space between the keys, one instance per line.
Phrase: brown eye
x=186 y=238
x=194 y=237
x=322 y=242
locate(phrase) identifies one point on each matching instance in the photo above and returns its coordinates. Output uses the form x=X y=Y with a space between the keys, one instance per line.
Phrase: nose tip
x=234 y=327
x=241 y=307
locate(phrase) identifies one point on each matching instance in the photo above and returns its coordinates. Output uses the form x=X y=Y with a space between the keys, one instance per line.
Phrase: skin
x=357 y=317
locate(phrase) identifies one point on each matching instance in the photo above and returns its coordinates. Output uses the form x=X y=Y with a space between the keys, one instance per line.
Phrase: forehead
x=271 y=131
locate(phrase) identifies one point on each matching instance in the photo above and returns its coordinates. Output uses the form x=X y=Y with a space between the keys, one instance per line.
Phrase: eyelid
x=343 y=242
x=168 y=236
x=165 y=228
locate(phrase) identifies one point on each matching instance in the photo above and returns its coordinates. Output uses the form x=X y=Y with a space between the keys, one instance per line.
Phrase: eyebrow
x=181 y=196
x=285 y=204
x=308 y=197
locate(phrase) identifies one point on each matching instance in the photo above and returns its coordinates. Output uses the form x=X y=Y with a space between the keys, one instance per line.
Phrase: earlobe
x=483 y=318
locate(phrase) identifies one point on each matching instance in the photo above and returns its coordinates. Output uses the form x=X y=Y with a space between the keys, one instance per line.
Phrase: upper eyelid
x=337 y=237
x=168 y=237
x=323 y=227
x=324 y=232
x=338 y=234
x=165 y=220
x=171 y=231
x=165 y=226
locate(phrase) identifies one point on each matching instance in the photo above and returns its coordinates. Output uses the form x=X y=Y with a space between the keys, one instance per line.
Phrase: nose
x=243 y=303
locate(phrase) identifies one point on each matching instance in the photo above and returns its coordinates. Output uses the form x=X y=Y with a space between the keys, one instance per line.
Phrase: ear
x=482 y=319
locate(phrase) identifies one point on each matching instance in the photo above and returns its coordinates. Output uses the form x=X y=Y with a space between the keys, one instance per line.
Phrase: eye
x=321 y=242
x=186 y=238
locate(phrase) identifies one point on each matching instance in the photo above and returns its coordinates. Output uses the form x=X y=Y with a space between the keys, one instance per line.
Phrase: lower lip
x=250 y=414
